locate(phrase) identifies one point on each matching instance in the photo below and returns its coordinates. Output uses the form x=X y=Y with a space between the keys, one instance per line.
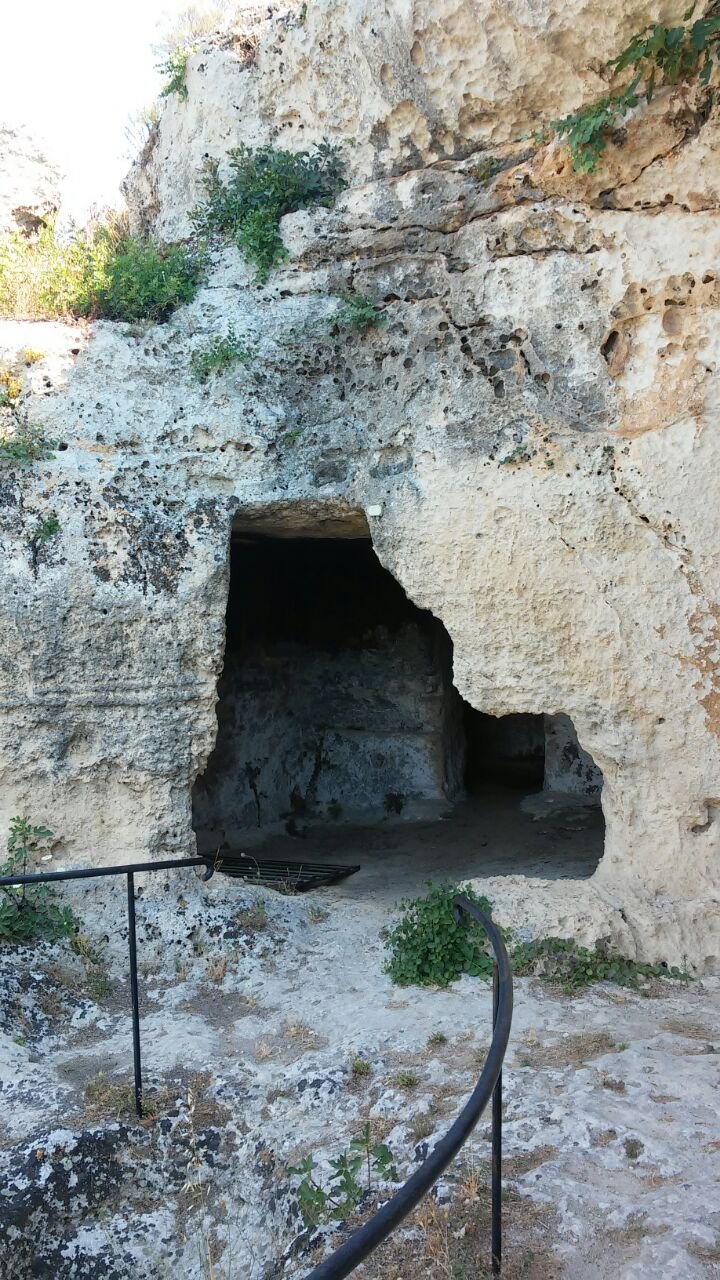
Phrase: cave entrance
x=339 y=724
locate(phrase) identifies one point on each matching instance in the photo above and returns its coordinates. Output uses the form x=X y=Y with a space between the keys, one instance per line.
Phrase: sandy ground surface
x=257 y=1009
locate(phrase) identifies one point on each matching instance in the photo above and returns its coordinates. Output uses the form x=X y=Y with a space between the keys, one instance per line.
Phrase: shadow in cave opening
x=342 y=737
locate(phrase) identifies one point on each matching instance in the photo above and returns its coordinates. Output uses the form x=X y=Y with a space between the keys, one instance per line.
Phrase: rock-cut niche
x=336 y=705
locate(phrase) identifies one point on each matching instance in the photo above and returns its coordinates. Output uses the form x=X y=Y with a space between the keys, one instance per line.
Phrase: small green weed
x=485 y=170
x=429 y=947
x=27 y=444
x=220 y=353
x=360 y=313
x=44 y=531
x=520 y=453
x=264 y=185
x=110 y=1099
x=422 y=1126
x=96 y=974
x=437 y=1037
x=253 y=918
x=345 y=1189
x=360 y=1068
x=27 y=911
x=573 y=966
x=175 y=69
x=406 y=1080
x=657 y=55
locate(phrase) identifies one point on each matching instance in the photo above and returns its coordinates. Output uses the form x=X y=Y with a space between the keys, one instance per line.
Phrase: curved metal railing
x=367 y=1238
x=362 y=1242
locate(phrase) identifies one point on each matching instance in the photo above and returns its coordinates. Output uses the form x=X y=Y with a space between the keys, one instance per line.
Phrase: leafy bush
x=360 y=313
x=42 y=277
x=263 y=186
x=117 y=277
x=26 y=444
x=429 y=947
x=658 y=54
x=29 y=911
x=564 y=961
x=219 y=354
x=147 y=282
x=175 y=68
x=345 y=1189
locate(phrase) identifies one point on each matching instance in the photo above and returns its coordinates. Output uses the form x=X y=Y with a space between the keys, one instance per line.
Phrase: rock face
x=29 y=184
x=531 y=438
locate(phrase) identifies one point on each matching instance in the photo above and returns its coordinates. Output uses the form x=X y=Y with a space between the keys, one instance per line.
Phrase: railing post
x=496 y=1193
x=132 y=942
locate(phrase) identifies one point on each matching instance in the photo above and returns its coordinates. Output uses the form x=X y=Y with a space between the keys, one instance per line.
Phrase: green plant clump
x=29 y=911
x=45 y=530
x=586 y=131
x=147 y=282
x=175 y=68
x=564 y=961
x=264 y=185
x=27 y=444
x=429 y=947
x=360 y=313
x=219 y=354
x=656 y=55
x=100 y=275
x=345 y=1188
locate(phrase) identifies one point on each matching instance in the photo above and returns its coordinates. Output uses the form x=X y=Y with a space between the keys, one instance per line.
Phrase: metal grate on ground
x=297 y=876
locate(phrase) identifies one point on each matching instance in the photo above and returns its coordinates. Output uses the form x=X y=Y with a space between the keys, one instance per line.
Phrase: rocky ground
x=270 y=1032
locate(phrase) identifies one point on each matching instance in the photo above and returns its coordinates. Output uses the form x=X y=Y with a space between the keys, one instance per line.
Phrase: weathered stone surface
x=29 y=184
x=536 y=425
x=409 y=84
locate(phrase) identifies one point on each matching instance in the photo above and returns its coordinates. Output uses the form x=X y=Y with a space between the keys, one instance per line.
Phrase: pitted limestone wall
x=532 y=436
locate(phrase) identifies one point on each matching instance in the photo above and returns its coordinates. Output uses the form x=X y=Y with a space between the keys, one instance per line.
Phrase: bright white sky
x=72 y=73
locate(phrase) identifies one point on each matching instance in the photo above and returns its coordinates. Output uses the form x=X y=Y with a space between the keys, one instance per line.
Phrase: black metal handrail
x=366 y=1238
x=128 y=870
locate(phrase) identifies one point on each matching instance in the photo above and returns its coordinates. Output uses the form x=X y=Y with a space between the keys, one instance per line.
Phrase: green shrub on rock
x=104 y=275
x=146 y=282
x=264 y=185
x=429 y=947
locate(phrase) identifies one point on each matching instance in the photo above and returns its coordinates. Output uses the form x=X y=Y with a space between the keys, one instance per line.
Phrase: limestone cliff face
x=534 y=435
x=29 y=184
